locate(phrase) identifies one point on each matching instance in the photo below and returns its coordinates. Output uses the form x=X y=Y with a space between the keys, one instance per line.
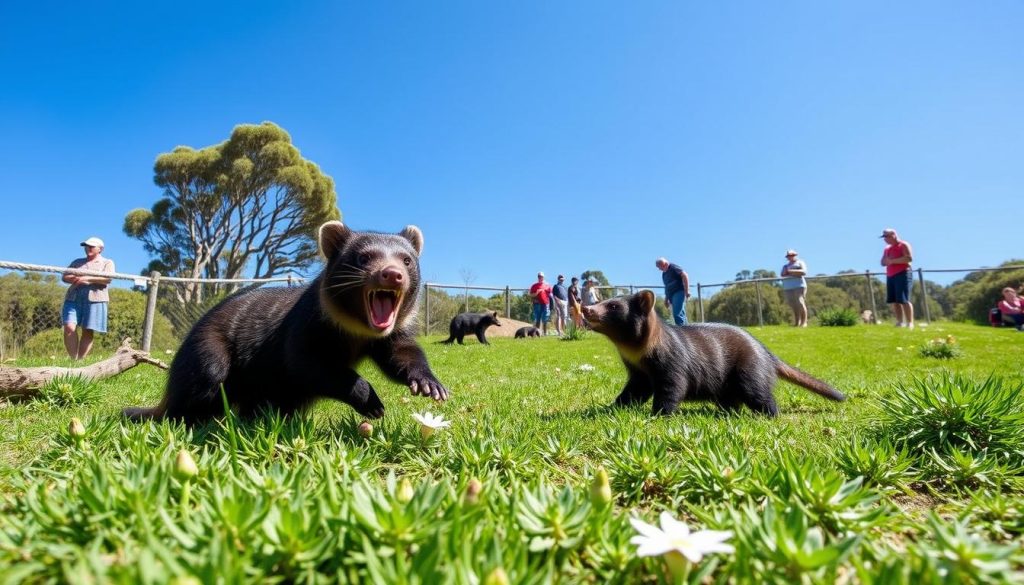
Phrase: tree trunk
x=27 y=381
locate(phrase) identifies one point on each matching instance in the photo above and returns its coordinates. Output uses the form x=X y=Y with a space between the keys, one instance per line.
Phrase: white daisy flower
x=675 y=537
x=430 y=423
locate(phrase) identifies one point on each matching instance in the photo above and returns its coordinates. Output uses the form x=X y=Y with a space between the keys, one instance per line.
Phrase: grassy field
x=916 y=478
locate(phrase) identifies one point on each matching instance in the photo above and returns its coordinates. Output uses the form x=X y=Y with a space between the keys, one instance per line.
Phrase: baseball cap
x=561 y=277
x=540 y=274
x=791 y=253
x=888 y=232
x=93 y=241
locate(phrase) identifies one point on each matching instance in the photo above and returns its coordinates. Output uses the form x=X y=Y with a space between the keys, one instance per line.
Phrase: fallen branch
x=27 y=381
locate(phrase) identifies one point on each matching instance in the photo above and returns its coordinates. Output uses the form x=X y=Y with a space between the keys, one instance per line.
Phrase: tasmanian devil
x=714 y=362
x=528 y=331
x=286 y=347
x=465 y=323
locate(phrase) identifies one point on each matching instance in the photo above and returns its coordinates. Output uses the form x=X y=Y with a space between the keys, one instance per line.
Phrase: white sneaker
x=900 y=324
x=910 y=325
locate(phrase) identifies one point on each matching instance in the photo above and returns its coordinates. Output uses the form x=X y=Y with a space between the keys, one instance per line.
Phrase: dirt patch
x=507 y=328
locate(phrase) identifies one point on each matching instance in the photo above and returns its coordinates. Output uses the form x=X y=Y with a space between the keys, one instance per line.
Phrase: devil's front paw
x=427 y=385
x=365 y=400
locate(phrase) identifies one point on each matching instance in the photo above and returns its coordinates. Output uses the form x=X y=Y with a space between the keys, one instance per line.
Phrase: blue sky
x=554 y=136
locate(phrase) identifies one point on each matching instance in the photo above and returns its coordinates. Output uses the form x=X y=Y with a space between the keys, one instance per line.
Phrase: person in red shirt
x=898 y=277
x=540 y=292
x=1012 y=307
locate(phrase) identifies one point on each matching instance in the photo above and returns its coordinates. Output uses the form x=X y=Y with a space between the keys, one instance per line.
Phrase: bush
x=573 y=333
x=30 y=309
x=737 y=304
x=953 y=413
x=941 y=348
x=68 y=391
x=51 y=341
x=838 y=318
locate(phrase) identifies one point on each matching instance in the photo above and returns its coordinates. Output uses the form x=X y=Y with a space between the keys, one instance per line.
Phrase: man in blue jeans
x=677 y=288
x=540 y=292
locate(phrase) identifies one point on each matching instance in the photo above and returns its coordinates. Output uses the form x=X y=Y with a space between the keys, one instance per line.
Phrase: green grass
x=825 y=491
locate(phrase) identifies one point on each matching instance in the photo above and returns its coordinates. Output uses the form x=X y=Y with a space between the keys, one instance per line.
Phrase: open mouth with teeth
x=382 y=307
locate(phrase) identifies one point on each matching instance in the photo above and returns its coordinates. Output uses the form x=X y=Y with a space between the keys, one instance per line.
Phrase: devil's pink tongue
x=382 y=309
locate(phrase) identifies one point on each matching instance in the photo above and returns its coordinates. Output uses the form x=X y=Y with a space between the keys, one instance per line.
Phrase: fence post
x=924 y=296
x=700 y=303
x=426 y=308
x=508 y=303
x=147 y=323
x=871 y=292
x=760 y=317
x=467 y=299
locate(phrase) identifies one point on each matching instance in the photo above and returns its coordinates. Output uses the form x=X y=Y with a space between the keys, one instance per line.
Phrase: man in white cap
x=794 y=287
x=540 y=292
x=86 y=301
x=899 y=278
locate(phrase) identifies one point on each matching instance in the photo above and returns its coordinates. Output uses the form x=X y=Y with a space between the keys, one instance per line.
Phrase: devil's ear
x=646 y=300
x=415 y=237
x=332 y=237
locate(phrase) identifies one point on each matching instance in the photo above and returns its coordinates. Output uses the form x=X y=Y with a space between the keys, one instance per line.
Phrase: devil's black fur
x=465 y=323
x=714 y=362
x=286 y=347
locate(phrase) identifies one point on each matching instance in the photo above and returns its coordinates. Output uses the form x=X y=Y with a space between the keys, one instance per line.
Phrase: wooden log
x=27 y=381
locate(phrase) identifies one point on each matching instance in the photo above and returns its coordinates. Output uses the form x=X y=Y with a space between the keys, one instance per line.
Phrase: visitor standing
x=794 y=287
x=575 y=302
x=540 y=292
x=85 y=304
x=560 y=298
x=677 y=288
x=591 y=296
x=899 y=279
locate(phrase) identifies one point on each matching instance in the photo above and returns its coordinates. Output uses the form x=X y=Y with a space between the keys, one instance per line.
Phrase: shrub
x=941 y=348
x=574 y=333
x=36 y=306
x=880 y=463
x=952 y=413
x=838 y=317
x=68 y=391
x=737 y=304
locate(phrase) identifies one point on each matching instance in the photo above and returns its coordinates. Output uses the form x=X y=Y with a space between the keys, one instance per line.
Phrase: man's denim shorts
x=88 y=315
x=541 y=312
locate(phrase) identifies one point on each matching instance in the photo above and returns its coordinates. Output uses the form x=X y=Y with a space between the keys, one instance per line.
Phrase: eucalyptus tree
x=247 y=207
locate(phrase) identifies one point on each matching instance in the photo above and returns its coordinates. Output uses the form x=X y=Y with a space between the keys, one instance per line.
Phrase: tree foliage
x=249 y=206
x=597 y=275
x=759 y=273
x=737 y=304
x=825 y=298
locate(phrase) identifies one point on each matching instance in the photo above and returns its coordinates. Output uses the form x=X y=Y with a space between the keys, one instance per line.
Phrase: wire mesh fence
x=158 y=312
x=155 y=312
x=759 y=301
